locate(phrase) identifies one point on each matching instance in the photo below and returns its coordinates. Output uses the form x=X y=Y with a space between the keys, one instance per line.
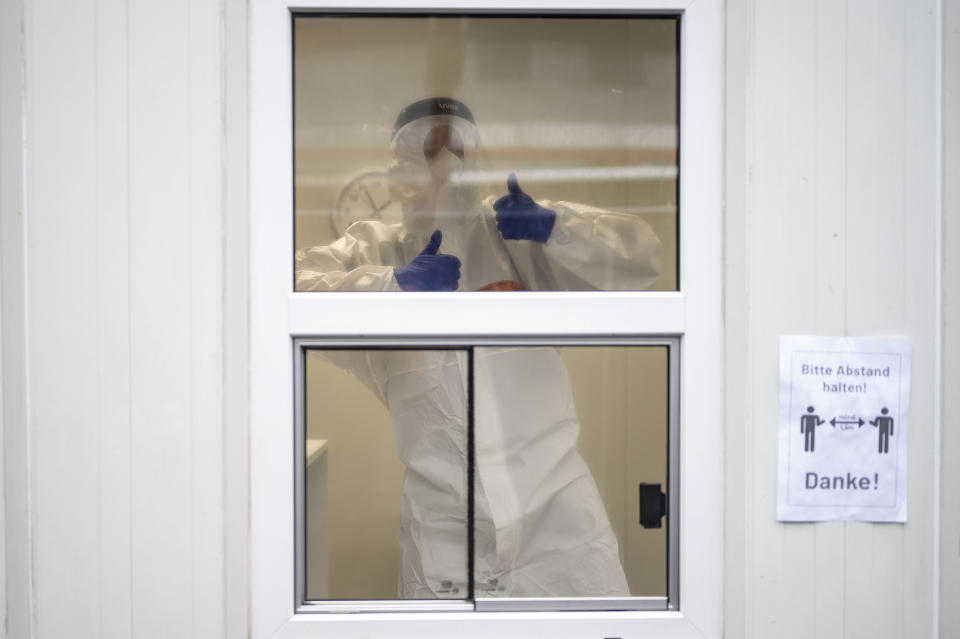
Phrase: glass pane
x=408 y=125
x=564 y=440
x=386 y=488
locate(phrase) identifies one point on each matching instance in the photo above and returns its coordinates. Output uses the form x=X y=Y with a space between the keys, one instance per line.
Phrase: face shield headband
x=432 y=106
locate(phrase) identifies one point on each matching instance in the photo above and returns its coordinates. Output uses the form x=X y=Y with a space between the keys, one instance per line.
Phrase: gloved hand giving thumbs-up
x=430 y=271
x=519 y=217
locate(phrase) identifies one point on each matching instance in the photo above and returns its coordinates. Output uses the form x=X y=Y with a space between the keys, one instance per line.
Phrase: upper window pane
x=409 y=125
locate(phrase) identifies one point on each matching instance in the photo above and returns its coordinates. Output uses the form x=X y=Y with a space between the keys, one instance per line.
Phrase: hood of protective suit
x=434 y=181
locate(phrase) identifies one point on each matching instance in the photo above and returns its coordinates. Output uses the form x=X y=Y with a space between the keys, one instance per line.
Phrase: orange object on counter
x=503 y=285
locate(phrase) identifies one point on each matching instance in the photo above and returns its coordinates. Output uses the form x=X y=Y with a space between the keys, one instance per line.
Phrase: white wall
x=831 y=230
x=123 y=301
x=119 y=336
x=12 y=397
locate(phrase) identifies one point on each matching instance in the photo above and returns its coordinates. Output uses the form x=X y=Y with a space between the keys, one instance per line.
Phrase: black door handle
x=653 y=505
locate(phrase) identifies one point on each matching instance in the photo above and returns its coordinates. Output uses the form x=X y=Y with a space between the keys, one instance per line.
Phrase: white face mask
x=445 y=167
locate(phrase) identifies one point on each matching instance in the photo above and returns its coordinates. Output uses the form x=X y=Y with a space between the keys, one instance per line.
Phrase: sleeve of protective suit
x=589 y=249
x=358 y=261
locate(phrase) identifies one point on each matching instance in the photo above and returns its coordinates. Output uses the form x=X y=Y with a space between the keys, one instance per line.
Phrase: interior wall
x=364 y=481
x=621 y=398
x=831 y=221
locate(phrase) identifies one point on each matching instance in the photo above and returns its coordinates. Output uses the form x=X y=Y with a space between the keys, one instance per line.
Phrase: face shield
x=435 y=150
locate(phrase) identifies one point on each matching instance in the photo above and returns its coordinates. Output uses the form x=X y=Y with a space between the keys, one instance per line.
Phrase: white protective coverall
x=541 y=529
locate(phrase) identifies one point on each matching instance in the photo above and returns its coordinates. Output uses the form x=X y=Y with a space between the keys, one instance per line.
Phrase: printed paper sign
x=843 y=428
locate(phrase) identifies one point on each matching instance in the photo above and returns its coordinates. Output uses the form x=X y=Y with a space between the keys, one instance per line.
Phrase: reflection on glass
x=563 y=439
x=389 y=519
x=581 y=111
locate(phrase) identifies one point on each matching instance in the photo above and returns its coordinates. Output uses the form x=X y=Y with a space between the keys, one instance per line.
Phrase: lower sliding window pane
x=564 y=438
x=386 y=496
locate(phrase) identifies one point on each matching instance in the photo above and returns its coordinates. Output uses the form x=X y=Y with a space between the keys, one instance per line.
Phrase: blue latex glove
x=519 y=217
x=429 y=271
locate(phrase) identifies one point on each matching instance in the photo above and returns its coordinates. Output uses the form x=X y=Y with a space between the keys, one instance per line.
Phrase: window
x=672 y=320
x=582 y=109
x=520 y=474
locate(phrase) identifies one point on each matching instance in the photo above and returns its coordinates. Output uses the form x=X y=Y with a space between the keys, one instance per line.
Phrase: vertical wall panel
x=123 y=250
x=175 y=297
x=950 y=329
x=766 y=231
x=837 y=216
x=161 y=341
x=61 y=234
x=795 y=163
x=205 y=241
x=920 y=239
x=16 y=589
x=112 y=303
x=893 y=271
x=829 y=44
x=867 y=222
x=950 y=247
x=738 y=490
x=236 y=341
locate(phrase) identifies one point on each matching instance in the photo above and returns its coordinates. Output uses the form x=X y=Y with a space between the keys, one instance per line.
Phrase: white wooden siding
x=13 y=396
x=832 y=215
x=949 y=453
x=120 y=504
x=124 y=315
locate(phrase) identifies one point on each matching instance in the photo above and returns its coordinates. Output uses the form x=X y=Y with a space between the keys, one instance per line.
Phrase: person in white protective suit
x=541 y=529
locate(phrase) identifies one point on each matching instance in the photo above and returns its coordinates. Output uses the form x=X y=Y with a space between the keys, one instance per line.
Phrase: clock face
x=365 y=196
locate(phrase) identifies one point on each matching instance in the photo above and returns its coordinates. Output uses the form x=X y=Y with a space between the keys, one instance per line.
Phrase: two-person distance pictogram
x=810 y=421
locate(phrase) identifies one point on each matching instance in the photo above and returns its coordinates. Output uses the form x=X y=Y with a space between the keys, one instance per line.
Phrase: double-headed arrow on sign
x=835 y=421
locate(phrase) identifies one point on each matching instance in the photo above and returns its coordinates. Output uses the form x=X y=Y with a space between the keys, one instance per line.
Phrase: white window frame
x=480 y=602
x=278 y=316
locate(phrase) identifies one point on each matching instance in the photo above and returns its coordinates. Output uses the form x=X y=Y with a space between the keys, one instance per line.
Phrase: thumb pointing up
x=434 y=244
x=519 y=217
x=513 y=187
x=430 y=270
